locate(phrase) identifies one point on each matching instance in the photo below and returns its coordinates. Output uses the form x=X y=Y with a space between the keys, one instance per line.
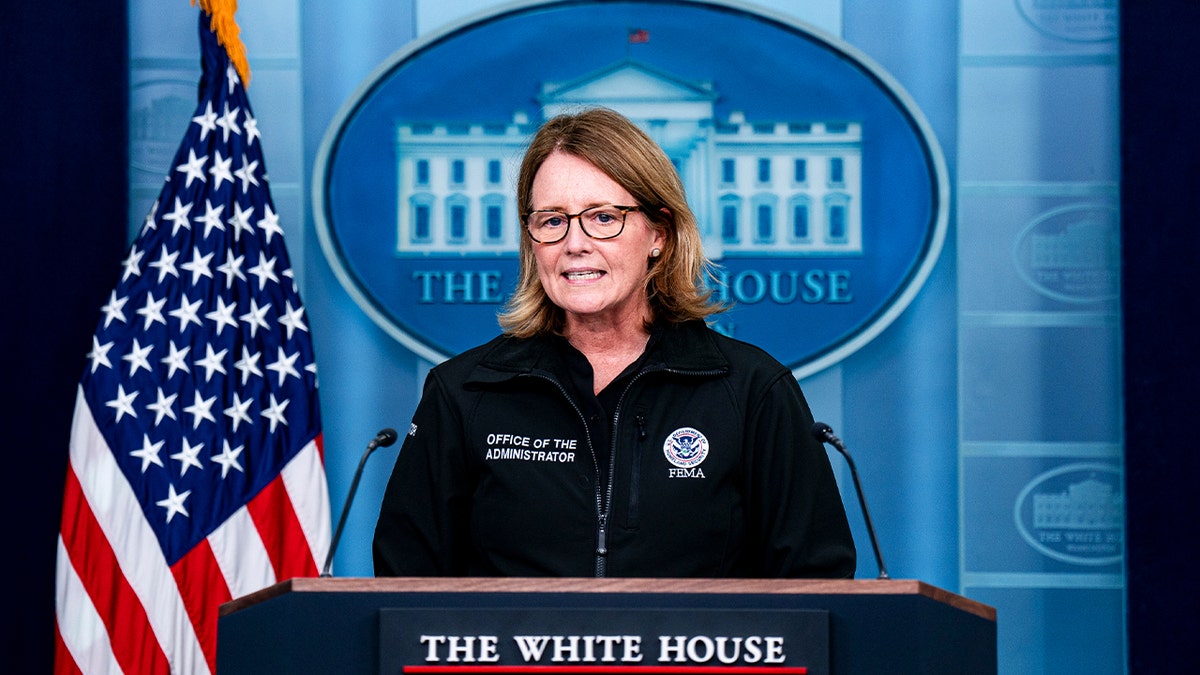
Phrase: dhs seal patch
x=686 y=448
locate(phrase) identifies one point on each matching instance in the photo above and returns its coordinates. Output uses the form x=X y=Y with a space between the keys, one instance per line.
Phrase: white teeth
x=582 y=276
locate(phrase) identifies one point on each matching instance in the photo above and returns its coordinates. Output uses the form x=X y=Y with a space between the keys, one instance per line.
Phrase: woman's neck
x=609 y=347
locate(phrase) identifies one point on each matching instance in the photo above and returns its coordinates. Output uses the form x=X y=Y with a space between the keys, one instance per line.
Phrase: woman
x=609 y=431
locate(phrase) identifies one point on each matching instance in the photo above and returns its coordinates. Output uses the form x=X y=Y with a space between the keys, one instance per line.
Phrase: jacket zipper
x=601 y=502
x=601 y=567
x=604 y=502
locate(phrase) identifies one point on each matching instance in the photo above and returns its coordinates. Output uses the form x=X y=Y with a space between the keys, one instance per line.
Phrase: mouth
x=583 y=275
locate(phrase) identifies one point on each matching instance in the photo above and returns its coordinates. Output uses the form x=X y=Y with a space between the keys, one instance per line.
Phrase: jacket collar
x=686 y=347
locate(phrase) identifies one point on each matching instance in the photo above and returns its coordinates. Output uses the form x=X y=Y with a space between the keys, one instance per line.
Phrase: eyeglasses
x=598 y=222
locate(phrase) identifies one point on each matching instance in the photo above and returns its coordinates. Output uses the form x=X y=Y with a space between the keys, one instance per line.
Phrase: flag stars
x=188 y=457
x=256 y=317
x=269 y=224
x=201 y=410
x=231 y=76
x=223 y=315
x=275 y=412
x=114 y=309
x=212 y=217
x=194 y=168
x=152 y=311
x=148 y=222
x=137 y=357
x=123 y=403
x=186 y=313
x=246 y=173
x=199 y=266
x=220 y=170
x=179 y=219
x=248 y=364
x=148 y=453
x=207 y=120
x=240 y=220
x=99 y=354
x=250 y=124
x=212 y=362
x=176 y=360
x=228 y=122
x=237 y=412
x=131 y=263
x=232 y=269
x=163 y=407
x=228 y=459
x=292 y=319
x=166 y=264
x=174 y=502
x=264 y=270
x=292 y=275
x=285 y=366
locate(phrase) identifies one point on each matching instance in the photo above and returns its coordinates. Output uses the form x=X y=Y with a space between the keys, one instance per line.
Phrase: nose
x=576 y=239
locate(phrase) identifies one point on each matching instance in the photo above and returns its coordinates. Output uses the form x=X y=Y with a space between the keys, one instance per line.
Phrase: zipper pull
x=602 y=536
x=641 y=423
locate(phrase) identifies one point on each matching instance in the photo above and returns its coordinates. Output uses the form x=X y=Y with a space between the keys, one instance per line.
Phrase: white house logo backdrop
x=819 y=190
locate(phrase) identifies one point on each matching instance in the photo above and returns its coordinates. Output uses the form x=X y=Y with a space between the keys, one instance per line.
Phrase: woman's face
x=590 y=279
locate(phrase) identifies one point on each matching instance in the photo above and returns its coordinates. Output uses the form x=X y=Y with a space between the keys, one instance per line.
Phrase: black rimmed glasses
x=599 y=222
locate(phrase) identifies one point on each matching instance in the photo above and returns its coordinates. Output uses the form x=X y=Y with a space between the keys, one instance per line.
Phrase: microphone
x=824 y=433
x=383 y=439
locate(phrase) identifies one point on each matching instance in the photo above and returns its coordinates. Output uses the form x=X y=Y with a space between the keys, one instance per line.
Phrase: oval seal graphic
x=1075 y=514
x=157 y=110
x=1074 y=20
x=1071 y=253
x=818 y=186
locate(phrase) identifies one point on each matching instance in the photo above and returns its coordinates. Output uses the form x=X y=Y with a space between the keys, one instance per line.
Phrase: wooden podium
x=514 y=625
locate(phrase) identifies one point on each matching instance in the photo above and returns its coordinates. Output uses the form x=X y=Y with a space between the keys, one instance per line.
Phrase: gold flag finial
x=225 y=26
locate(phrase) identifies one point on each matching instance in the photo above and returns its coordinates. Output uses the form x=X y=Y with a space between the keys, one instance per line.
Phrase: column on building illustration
x=757 y=187
x=788 y=187
x=454 y=185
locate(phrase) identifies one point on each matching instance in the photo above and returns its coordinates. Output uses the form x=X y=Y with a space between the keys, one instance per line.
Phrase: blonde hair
x=610 y=142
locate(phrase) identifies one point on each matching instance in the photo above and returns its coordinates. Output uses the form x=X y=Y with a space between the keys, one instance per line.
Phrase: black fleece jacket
x=712 y=470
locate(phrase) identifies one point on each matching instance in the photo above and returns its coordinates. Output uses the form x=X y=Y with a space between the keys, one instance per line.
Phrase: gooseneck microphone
x=824 y=433
x=383 y=439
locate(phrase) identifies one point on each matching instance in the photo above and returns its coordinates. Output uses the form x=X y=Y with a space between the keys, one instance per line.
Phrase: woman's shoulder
x=503 y=353
x=738 y=352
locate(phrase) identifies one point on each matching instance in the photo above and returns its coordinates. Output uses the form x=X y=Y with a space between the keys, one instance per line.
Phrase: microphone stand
x=823 y=433
x=382 y=439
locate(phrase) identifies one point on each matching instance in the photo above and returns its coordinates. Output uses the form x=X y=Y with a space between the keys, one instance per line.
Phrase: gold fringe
x=226 y=28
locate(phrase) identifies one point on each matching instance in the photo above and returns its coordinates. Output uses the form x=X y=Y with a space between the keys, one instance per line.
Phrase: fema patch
x=686 y=448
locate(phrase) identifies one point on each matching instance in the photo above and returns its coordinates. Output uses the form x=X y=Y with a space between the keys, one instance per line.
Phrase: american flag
x=196 y=472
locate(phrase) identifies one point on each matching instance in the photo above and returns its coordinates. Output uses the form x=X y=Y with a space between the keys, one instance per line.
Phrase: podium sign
x=509 y=625
x=604 y=638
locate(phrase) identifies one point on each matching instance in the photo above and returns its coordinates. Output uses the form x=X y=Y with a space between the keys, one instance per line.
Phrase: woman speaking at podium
x=608 y=431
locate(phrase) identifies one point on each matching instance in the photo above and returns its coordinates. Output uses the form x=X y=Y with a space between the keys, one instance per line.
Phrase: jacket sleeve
x=795 y=515
x=423 y=519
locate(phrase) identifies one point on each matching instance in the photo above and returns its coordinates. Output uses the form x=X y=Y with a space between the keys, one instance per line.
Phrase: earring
x=655 y=252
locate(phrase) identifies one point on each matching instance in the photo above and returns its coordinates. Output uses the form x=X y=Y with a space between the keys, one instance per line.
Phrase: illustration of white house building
x=757 y=187
x=1088 y=505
